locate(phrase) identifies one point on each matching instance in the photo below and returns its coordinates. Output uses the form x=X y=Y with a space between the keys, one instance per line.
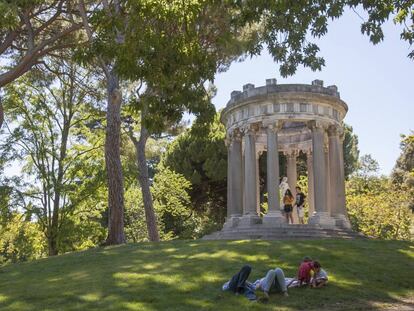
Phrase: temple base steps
x=282 y=232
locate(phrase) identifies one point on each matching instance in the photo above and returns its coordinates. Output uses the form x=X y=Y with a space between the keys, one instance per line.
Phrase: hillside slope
x=187 y=275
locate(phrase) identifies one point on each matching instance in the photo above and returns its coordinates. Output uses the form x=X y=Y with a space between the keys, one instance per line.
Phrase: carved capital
x=335 y=130
x=291 y=153
x=232 y=136
x=236 y=135
x=317 y=125
x=275 y=126
x=251 y=129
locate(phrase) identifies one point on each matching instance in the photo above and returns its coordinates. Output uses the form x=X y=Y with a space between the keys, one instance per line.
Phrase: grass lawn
x=187 y=275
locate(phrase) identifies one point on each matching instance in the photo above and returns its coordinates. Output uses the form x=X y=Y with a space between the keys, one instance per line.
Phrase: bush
x=376 y=209
x=20 y=240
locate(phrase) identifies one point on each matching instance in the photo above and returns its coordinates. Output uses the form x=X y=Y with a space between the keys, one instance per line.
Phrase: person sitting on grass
x=238 y=284
x=320 y=277
x=274 y=280
x=304 y=273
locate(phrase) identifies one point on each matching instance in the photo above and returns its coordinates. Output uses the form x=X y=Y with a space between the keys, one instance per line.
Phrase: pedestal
x=322 y=219
x=342 y=221
x=249 y=220
x=273 y=219
x=231 y=222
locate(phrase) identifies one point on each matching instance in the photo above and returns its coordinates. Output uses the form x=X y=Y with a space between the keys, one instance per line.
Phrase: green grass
x=187 y=275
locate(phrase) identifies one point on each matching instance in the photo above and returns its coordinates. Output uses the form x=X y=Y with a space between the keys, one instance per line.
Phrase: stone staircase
x=282 y=232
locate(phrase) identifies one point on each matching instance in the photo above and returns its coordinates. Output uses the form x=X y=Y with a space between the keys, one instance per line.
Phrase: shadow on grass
x=187 y=275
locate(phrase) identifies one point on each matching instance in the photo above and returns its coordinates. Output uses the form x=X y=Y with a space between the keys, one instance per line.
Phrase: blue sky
x=377 y=83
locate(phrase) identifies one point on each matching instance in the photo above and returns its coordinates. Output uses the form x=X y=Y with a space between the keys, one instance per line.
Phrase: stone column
x=258 y=182
x=229 y=181
x=321 y=215
x=250 y=188
x=328 y=179
x=337 y=178
x=292 y=176
x=243 y=181
x=273 y=216
x=310 y=199
x=234 y=181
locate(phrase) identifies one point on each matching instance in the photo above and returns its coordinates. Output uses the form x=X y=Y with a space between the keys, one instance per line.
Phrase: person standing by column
x=288 y=205
x=300 y=204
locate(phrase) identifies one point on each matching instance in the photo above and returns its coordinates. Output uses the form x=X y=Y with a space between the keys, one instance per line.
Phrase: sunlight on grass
x=136 y=305
x=3 y=298
x=151 y=266
x=209 y=277
x=79 y=275
x=218 y=254
x=238 y=242
x=91 y=297
x=170 y=250
x=345 y=283
x=127 y=278
x=409 y=253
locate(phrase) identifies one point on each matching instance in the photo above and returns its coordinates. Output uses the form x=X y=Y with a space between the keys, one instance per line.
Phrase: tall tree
x=43 y=116
x=30 y=30
x=111 y=15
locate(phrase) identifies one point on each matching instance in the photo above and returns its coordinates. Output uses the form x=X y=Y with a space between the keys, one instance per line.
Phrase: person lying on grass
x=320 y=277
x=238 y=284
x=274 y=280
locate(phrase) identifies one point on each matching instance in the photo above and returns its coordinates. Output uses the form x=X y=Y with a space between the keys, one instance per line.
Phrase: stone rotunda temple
x=286 y=118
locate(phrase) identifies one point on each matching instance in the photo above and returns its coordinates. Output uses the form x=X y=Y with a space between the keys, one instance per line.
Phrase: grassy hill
x=187 y=275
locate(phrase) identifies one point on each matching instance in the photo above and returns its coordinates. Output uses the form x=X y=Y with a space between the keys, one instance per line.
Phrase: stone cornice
x=289 y=105
x=251 y=93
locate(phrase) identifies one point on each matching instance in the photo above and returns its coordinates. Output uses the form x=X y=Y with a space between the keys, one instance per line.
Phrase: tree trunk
x=116 y=233
x=144 y=182
x=58 y=184
x=52 y=244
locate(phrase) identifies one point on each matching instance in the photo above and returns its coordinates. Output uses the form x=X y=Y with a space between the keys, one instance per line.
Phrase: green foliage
x=303 y=184
x=382 y=214
x=403 y=172
x=201 y=156
x=379 y=12
x=49 y=133
x=20 y=240
x=8 y=15
x=367 y=166
x=135 y=226
x=174 y=47
x=375 y=207
x=351 y=151
x=172 y=204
